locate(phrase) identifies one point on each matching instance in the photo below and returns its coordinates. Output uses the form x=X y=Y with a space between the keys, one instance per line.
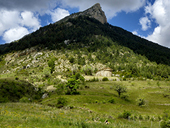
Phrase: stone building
x=106 y=72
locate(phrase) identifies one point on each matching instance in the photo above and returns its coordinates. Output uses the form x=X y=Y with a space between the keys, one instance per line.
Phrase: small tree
x=87 y=70
x=51 y=64
x=79 y=77
x=72 y=86
x=120 y=89
x=61 y=102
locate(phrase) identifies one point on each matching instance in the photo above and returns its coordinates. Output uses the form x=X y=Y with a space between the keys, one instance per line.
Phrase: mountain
x=79 y=27
x=95 y=12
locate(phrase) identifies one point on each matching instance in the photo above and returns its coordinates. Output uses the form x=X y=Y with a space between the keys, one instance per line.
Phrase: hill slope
x=77 y=29
x=51 y=63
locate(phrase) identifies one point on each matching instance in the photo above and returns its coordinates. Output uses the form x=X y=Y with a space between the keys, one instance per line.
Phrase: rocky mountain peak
x=94 y=12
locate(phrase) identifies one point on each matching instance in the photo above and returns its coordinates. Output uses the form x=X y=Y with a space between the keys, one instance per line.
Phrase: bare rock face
x=93 y=12
x=96 y=12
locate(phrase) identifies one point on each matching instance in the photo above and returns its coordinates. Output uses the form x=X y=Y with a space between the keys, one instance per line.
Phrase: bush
x=72 y=86
x=141 y=102
x=103 y=101
x=87 y=70
x=112 y=101
x=60 y=89
x=46 y=72
x=105 y=79
x=126 y=114
x=61 y=102
x=16 y=78
x=3 y=99
x=24 y=100
x=51 y=64
x=79 y=77
x=140 y=117
x=14 y=90
x=165 y=124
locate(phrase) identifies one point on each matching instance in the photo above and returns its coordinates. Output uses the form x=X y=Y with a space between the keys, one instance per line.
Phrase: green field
x=91 y=107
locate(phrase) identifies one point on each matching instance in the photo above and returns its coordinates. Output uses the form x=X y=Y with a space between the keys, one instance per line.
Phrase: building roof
x=106 y=69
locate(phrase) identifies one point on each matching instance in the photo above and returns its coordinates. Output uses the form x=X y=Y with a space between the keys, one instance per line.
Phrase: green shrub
x=86 y=86
x=141 y=102
x=96 y=101
x=46 y=72
x=61 y=102
x=165 y=124
x=24 y=100
x=159 y=118
x=16 y=78
x=14 y=90
x=72 y=86
x=147 y=117
x=60 y=89
x=105 y=79
x=3 y=99
x=126 y=114
x=87 y=70
x=140 y=117
x=79 y=77
x=51 y=64
x=112 y=101
x=71 y=107
x=103 y=101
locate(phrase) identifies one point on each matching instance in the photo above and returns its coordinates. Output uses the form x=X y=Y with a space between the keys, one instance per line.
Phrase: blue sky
x=149 y=19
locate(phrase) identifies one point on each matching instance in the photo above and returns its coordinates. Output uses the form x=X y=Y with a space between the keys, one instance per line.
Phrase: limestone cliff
x=96 y=12
x=93 y=12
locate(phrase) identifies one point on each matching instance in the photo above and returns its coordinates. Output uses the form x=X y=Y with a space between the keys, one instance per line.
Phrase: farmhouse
x=106 y=72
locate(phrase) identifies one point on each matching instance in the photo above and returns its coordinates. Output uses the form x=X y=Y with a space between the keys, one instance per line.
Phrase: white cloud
x=58 y=14
x=29 y=20
x=160 y=11
x=8 y=20
x=135 y=33
x=15 y=34
x=11 y=21
x=145 y=22
x=156 y=35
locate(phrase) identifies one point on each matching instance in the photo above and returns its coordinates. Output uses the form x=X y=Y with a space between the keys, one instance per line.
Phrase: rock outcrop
x=96 y=12
x=93 y=12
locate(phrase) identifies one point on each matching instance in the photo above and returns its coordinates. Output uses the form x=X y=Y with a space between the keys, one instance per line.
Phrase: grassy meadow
x=92 y=107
